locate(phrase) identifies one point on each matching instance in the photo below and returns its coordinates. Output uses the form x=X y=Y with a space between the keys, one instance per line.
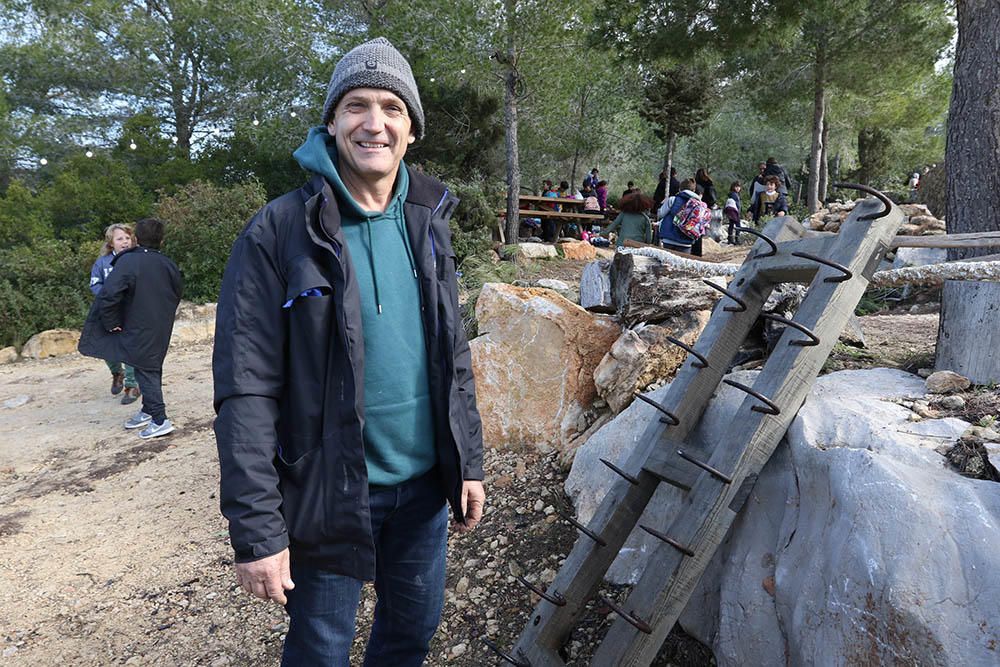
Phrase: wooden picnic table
x=535 y=206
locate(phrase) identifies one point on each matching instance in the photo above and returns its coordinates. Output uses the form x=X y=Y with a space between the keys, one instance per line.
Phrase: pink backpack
x=694 y=219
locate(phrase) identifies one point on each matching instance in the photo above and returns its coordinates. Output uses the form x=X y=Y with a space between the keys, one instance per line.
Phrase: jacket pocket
x=303 y=494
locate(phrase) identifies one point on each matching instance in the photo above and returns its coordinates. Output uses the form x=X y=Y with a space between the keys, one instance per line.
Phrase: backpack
x=694 y=219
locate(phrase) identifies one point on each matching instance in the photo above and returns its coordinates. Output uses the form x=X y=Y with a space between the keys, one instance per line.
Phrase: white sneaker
x=138 y=420
x=156 y=430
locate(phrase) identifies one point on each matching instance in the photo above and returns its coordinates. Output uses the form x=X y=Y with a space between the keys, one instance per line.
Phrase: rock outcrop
x=577 y=250
x=857 y=545
x=51 y=343
x=534 y=365
x=643 y=356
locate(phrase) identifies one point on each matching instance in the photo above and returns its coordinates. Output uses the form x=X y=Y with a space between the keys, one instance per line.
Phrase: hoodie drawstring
x=371 y=261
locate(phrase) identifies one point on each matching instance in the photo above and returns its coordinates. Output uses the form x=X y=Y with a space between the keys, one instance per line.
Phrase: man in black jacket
x=132 y=319
x=347 y=421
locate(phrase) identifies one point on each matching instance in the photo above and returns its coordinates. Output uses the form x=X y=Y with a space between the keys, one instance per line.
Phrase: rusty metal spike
x=795 y=325
x=722 y=477
x=583 y=529
x=848 y=274
x=555 y=598
x=669 y=540
x=702 y=360
x=634 y=621
x=670 y=417
x=767 y=239
x=771 y=409
x=873 y=192
x=624 y=475
x=666 y=480
x=740 y=304
x=505 y=656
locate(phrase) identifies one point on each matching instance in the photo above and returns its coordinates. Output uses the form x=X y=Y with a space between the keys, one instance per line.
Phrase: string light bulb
x=462 y=70
x=256 y=122
x=89 y=153
x=432 y=79
x=43 y=162
x=294 y=114
x=132 y=145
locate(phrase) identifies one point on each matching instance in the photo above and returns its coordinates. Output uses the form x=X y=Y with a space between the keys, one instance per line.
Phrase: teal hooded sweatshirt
x=399 y=429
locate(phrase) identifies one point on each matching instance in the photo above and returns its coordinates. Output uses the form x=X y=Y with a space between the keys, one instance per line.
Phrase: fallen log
x=930 y=274
x=971 y=240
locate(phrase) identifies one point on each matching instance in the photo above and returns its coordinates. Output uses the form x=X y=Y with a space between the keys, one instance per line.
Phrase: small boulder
x=8 y=355
x=51 y=343
x=595 y=287
x=536 y=251
x=578 y=250
x=946 y=382
x=953 y=403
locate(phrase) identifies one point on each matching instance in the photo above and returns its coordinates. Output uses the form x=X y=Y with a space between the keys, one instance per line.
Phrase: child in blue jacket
x=117 y=239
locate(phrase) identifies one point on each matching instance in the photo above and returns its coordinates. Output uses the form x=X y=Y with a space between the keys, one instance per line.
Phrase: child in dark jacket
x=117 y=239
x=772 y=201
x=132 y=319
x=733 y=210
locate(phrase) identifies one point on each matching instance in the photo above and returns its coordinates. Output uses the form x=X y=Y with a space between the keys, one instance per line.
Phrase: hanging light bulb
x=256 y=122
x=294 y=114
x=432 y=79
x=43 y=162
x=132 y=145
x=462 y=70
x=89 y=154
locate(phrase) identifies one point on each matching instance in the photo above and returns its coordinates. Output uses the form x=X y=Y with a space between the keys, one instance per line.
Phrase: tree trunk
x=972 y=163
x=824 y=167
x=510 y=135
x=671 y=145
x=819 y=107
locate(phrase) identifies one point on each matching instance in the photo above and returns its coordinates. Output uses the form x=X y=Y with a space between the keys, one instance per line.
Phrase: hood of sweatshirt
x=318 y=154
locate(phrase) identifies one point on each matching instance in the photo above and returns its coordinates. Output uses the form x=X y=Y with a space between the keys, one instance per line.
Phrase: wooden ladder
x=717 y=479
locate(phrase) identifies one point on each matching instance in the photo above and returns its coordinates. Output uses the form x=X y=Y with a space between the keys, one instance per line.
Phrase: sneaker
x=117 y=383
x=138 y=420
x=131 y=395
x=156 y=430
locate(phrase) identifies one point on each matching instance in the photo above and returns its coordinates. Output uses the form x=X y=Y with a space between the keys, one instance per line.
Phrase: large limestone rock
x=578 y=250
x=535 y=364
x=192 y=332
x=642 y=356
x=857 y=545
x=595 y=287
x=8 y=355
x=51 y=343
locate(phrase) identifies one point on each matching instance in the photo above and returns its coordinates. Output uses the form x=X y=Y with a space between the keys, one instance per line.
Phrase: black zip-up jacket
x=140 y=295
x=289 y=381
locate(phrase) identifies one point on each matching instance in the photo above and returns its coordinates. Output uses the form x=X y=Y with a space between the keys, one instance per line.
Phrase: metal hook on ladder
x=767 y=239
x=740 y=303
x=722 y=477
x=702 y=359
x=634 y=621
x=506 y=656
x=583 y=529
x=771 y=407
x=669 y=540
x=634 y=481
x=847 y=273
x=555 y=598
x=886 y=202
x=670 y=417
x=814 y=339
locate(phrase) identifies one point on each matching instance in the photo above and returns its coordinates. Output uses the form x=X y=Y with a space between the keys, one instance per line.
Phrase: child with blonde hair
x=117 y=239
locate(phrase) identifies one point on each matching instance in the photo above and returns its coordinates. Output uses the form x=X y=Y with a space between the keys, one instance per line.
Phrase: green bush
x=23 y=219
x=475 y=218
x=44 y=286
x=203 y=221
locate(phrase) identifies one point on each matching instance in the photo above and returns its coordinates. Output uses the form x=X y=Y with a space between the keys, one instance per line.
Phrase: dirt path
x=114 y=552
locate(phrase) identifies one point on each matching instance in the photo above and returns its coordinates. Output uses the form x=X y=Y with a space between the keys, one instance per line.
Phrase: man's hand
x=473 y=499
x=267 y=578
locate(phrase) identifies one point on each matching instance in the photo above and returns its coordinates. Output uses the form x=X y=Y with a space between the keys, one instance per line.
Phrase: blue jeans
x=410 y=527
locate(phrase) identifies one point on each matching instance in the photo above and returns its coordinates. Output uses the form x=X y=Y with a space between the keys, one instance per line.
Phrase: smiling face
x=121 y=241
x=373 y=129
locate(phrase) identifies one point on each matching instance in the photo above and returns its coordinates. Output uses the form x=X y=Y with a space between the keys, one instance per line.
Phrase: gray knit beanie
x=376 y=64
